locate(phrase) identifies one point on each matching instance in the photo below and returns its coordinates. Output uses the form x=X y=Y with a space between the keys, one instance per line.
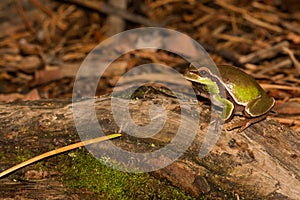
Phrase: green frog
x=244 y=95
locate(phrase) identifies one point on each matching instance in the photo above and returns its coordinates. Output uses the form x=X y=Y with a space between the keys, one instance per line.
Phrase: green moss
x=84 y=171
x=23 y=155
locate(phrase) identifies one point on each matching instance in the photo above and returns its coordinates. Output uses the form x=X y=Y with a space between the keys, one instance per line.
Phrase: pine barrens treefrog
x=244 y=94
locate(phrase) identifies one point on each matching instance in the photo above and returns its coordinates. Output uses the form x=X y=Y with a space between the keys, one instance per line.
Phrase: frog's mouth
x=195 y=77
x=192 y=75
x=207 y=79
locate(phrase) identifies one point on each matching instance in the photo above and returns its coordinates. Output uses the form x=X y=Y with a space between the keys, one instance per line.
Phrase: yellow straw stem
x=57 y=151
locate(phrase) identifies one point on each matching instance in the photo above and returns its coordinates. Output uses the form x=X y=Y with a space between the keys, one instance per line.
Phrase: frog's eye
x=203 y=73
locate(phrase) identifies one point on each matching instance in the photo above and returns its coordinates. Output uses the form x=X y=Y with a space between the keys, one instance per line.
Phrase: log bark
x=261 y=162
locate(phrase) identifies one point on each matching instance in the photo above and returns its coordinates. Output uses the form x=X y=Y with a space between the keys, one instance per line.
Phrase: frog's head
x=203 y=75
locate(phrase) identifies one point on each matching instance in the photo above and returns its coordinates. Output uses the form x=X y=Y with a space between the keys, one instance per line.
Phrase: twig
x=38 y=4
x=257 y=56
x=13 y=38
x=281 y=87
x=157 y=4
x=203 y=19
x=115 y=23
x=233 y=23
x=285 y=120
x=50 y=13
x=292 y=56
x=258 y=22
x=290 y=26
x=233 y=38
x=264 y=7
x=224 y=4
x=248 y=17
x=225 y=53
x=24 y=18
x=207 y=9
x=110 y=10
x=58 y=151
x=284 y=63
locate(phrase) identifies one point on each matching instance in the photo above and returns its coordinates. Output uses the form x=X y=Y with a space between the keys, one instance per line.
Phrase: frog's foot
x=243 y=124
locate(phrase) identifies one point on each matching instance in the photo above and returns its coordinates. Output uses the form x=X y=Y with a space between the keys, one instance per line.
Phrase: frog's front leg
x=226 y=106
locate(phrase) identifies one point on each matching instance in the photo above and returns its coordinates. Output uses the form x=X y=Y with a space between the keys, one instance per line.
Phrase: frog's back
x=234 y=75
x=239 y=84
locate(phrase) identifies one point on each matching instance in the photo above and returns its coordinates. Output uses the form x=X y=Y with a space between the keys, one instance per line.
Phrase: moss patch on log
x=85 y=171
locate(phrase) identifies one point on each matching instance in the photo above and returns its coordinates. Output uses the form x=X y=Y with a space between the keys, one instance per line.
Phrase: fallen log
x=261 y=162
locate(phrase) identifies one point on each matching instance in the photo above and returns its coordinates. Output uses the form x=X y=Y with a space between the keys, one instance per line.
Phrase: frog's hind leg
x=259 y=106
x=243 y=124
x=255 y=111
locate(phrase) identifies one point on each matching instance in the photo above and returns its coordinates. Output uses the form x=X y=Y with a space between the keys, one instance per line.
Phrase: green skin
x=246 y=94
